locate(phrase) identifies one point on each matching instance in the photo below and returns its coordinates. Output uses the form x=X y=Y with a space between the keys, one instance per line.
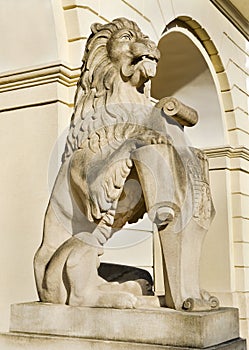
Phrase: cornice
x=234 y=15
x=227 y=151
x=33 y=76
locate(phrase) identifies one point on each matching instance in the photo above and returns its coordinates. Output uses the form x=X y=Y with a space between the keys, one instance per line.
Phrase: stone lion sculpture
x=117 y=138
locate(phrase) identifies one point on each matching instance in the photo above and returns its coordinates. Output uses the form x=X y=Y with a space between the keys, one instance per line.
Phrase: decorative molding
x=37 y=104
x=54 y=72
x=227 y=151
x=234 y=16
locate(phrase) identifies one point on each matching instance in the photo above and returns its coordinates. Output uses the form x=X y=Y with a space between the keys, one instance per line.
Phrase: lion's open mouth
x=143 y=58
x=140 y=68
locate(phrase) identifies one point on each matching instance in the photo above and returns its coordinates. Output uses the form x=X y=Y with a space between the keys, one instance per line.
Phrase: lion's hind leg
x=55 y=285
x=87 y=288
x=72 y=278
x=54 y=235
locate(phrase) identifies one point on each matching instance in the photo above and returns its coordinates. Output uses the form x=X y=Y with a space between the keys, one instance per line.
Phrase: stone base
x=21 y=341
x=67 y=327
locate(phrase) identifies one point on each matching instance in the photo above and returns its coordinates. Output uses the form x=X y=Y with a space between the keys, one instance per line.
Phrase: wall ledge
x=32 y=76
x=228 y=151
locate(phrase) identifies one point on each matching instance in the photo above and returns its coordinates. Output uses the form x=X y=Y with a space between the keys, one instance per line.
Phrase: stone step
x=22 y=341
x=156 y=326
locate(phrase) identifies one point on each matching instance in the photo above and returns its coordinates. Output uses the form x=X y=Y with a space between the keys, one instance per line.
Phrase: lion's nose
x=148 y=43
x=151 y=45
x=145 y=47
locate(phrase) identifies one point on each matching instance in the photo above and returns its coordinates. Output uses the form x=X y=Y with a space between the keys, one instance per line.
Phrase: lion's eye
x=126 y=37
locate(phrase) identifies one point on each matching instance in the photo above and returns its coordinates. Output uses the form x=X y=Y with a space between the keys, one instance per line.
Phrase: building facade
x=204 y=62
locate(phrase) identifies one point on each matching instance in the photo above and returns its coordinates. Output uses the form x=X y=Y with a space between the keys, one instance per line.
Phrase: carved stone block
x=17 y=341
x=155 y=326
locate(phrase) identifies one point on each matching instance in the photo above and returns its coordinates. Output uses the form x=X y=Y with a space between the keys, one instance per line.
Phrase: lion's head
x=121 y=47
x=118 y=57
x=133 y=54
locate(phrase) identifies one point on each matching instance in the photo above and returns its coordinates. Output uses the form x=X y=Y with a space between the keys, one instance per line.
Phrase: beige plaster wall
x=39 y=67
x=28 y=34
x=35 y=104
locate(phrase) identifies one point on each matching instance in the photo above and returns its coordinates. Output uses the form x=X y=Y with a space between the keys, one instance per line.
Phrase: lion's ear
x=96 y=27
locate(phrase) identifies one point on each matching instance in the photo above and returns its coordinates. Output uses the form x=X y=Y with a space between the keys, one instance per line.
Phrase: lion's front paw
x=159 y=139
x=153 y=137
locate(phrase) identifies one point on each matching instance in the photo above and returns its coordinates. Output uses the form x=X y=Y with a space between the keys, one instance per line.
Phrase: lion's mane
x=96 y=92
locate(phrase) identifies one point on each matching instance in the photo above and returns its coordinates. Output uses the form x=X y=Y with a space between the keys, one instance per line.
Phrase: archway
x=184 y=72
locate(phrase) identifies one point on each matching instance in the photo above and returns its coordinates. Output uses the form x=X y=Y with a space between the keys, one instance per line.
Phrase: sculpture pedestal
x=49 y=326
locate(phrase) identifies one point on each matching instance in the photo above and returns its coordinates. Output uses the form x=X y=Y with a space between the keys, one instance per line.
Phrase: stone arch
x=202 y=35
x=208 y=75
